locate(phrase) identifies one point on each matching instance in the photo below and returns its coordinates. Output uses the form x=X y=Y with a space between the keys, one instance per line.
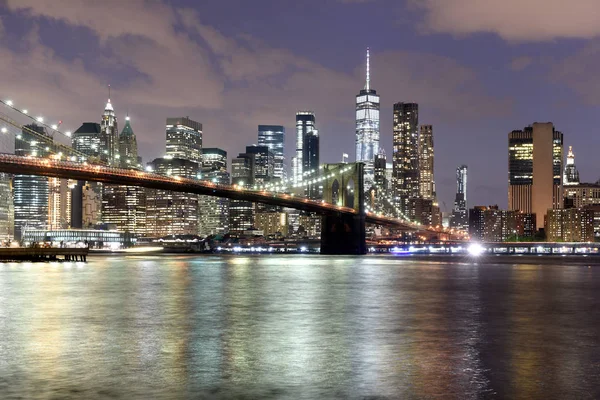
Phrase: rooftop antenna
x=368 y=84
x=109 y=92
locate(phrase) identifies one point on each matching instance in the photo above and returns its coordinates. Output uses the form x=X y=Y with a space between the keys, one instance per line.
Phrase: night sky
x=478 y=69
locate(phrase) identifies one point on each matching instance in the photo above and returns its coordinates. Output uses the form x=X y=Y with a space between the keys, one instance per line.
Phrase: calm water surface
x=298 y=327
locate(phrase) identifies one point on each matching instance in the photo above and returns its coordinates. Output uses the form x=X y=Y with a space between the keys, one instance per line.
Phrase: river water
x=298 y=326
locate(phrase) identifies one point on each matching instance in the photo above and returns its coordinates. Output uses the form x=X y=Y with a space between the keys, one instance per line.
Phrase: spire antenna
x=109 y=92
x=368 y=83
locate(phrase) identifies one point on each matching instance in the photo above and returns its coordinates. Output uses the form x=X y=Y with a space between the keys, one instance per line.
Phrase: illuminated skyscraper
x=31 y=191
x=426 y=180
x=125 y=206
x=405 y=175
x=460 y=212
x=86 y=197
x=213 y=212
x=367 y=125
x=109 y=136
x=310 y=157
x=128 y=151
x=535 y=161
x=305 y=123
x=172 y=213
x=7 y=216
x=184 y=139
x=273 y=136
x=241 y=212
x=571 y=174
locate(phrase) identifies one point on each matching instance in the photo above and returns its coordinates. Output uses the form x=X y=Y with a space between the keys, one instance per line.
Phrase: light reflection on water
x=299 y=326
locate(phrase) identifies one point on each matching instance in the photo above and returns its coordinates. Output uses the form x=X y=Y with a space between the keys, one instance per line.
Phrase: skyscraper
x=535 y=170
x=184 y=139
x=264 y=163
x=405 y=160
x=367 y=124
x=273 y=136
x=31 y=191
x=86 y=197
x=571 y=174
x=213 y=212
x=460 y=212
x=109 y=136
x=125 y=206
x=172 y=213
x=426 y=180
x=305 y=122
x=128 y=151
x=241 y=212
x=310 y=157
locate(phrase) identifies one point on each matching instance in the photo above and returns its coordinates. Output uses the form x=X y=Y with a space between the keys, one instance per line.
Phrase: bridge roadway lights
x=343 y=234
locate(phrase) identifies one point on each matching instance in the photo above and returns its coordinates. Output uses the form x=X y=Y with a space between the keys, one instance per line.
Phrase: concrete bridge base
x=343 y=235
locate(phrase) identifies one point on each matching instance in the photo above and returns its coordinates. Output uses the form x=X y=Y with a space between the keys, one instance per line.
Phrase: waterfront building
x=405 y=175
x=109 y=136
x=460 y=213
x=273 y=136
x=109 y=239
x=213 y=212
x=305 y=123
x=172 y=213
x=535 y=170
x=571 y=174
x=570 y=225
x=184 y=139
x=309 y=226
x=367 y=125
x=490 y=224
x=241 y=212
x=426 y=179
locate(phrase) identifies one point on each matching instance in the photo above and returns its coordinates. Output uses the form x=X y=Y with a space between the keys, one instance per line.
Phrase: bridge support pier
x=343 y=235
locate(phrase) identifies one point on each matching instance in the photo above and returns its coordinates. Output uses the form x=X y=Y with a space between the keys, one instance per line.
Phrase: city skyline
x=470 y=104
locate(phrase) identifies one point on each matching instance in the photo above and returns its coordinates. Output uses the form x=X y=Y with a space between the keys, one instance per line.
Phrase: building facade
x=570 y=225
x=405 y=160
x=490 y=224
x=213 y=212
x=172 y=213
x=30 y=192
x=426 y=179
x=367 y=125
x=571 y=174
x=241 y=212
x=305 y=123
x=184 y=139
x=7 y=211
x=273 y=136
x=460 y=212
x=535 y=170
x=310 y=157
x=109 y=136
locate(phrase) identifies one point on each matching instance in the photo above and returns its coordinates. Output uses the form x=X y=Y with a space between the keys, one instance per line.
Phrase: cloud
x=520 y=63
x=513 y=20
x=580 y=72
x=178 y=65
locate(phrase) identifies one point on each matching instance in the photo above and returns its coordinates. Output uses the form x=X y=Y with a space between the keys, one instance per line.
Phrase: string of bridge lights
x=288 y=183
x=39 y=121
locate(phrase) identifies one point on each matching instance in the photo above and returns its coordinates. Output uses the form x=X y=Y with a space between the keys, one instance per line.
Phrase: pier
x=41 y=254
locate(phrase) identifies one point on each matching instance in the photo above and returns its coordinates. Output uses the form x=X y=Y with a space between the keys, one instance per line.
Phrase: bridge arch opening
x=349 y=197
x=335 y=192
